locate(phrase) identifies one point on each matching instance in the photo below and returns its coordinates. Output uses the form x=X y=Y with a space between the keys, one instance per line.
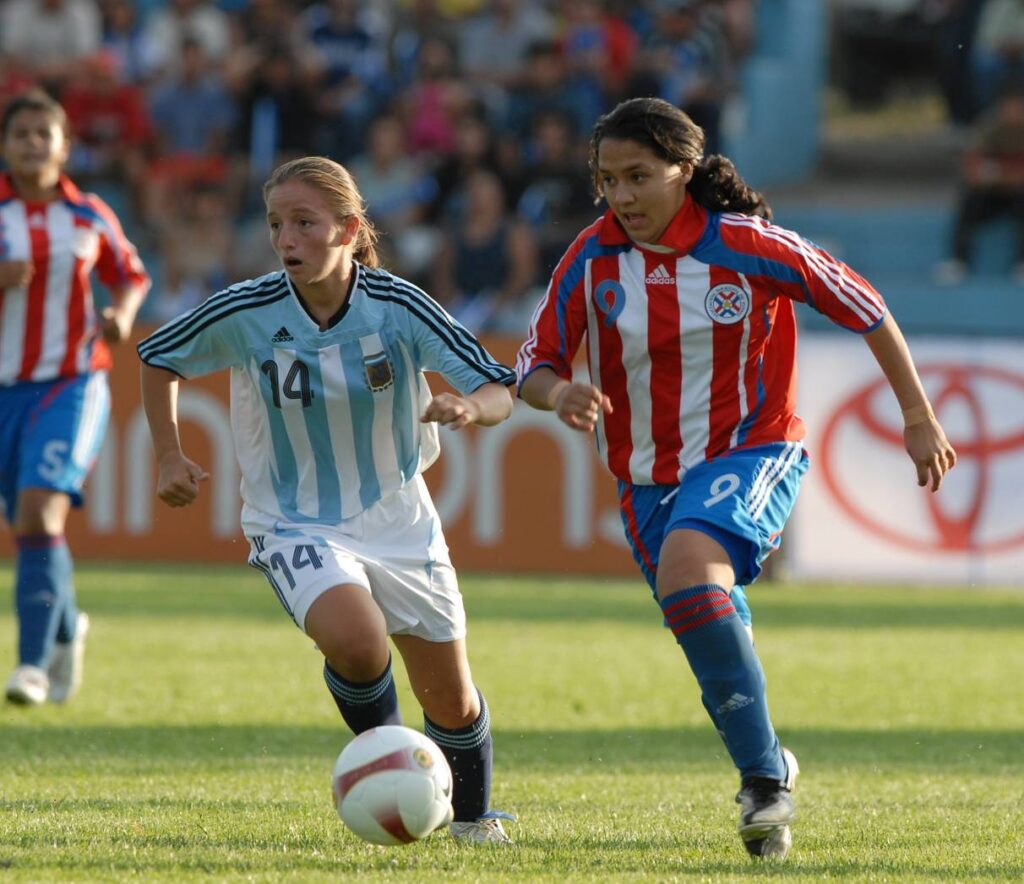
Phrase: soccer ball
x=392 y=785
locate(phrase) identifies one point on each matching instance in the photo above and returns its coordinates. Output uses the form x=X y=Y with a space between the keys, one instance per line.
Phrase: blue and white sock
x=44 y=597
x=364 y=704
x=469 y=751
x=733 y=687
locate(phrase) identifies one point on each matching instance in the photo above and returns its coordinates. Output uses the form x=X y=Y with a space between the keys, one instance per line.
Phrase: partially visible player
x=54 y=359
x=333 y=425
x=684 y=293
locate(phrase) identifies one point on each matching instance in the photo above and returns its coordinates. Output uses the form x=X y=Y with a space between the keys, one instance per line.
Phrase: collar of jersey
x=682 y=234
x=65 y=185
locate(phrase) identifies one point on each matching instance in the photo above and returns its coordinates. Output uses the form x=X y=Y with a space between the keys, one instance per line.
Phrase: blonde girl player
x=334 y=424
x=54 y=359
x=684 y=293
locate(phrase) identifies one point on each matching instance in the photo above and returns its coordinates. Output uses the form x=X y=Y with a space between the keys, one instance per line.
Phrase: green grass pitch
x=201 y=746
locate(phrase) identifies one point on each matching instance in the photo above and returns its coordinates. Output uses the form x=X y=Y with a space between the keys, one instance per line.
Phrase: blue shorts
x=741 y=499
x=50 y=435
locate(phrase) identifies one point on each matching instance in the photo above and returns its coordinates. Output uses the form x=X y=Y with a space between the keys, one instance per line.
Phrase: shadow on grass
x=26 y=745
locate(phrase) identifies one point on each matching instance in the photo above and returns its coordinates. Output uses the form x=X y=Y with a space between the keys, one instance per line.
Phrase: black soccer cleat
x=767 y=810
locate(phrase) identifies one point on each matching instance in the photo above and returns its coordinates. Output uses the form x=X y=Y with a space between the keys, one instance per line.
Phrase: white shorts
x=395 y=549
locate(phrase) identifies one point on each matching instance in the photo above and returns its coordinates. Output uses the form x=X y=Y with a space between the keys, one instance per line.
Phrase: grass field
x=201 y=745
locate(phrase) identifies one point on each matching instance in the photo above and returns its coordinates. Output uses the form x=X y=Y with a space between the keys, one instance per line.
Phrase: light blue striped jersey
x=325 y=422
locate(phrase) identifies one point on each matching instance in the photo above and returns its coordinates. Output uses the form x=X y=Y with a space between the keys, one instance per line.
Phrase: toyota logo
x=977 y=510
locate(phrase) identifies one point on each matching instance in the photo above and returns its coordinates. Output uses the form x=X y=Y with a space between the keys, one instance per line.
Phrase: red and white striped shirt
x=695 y=342
x=49 y=328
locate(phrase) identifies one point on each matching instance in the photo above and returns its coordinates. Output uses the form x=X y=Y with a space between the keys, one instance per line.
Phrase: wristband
x=919 y=414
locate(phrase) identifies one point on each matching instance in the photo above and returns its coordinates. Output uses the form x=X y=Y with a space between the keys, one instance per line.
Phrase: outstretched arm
x=577 y=405
x=487 y=405
x=179 y=478
x=924 y=438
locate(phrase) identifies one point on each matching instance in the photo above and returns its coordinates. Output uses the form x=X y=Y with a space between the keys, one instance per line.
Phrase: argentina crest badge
x=379 y=372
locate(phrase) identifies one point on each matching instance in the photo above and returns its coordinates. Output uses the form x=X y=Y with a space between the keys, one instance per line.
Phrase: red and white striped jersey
x=694 y=339
x=49 y=329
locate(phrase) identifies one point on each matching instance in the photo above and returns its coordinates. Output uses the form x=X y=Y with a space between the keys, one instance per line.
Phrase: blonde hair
x=339 y=188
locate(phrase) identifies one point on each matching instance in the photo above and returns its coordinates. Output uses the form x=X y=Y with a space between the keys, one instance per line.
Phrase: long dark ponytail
x=673 y=137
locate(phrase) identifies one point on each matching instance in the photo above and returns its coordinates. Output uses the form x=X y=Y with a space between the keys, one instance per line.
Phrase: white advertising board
x=861 y=515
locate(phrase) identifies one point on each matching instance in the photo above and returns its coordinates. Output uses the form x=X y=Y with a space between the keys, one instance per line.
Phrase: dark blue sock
x=44 y=596
x=366 y=704
x=730 y=676
x=469 y=751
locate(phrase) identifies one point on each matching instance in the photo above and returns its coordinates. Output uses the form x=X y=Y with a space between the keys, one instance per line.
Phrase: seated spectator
x=397 y=190
x=487 y=263
x=192 y=117
x=112 y=129
x=559 y=198
x=436 y=100
x=172 y=24
x=540 y=91
x=196 y=249
x=123 y=38
x=998 y=56
x=475 y=147
x=49 y=37
x=993 y=173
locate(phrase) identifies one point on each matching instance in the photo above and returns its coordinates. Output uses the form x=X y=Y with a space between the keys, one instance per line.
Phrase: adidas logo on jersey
x=660 y=276
x=281 y=336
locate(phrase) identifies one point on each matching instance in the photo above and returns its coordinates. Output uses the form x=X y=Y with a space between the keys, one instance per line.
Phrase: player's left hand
x=114 y=326
x=451 y=411
x=930 y=451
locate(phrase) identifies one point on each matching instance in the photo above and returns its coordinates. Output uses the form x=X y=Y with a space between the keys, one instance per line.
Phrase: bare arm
x=486 y=406
x=118 y=320
x=179 y=477
x=576 y=404
x=924 y=438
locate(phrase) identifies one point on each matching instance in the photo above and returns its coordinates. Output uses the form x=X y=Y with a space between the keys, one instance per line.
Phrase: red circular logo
x=987 y=430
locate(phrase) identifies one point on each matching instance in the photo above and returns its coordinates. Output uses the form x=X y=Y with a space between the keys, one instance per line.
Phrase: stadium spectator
x=998 y=57
x=399 y=191
x=112 y=130
x=476 y=147
x=123 y=38
x=436 y=100
x=193 y=117
x=353 y=76
x=171 y=25
x=558 y=198
x=685 y=292
x=993 y=184
x=358 y=554
x=54 y=358
x=487 y=261
x=48 y=37
x=196 y=248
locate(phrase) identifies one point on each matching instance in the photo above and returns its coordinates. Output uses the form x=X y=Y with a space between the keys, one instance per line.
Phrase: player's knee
x=41 y=511
x=451 y=707
x=356 y=658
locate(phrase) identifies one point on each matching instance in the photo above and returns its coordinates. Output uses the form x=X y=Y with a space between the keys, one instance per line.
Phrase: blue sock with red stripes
x=44 y=596
x=364 y=704
x=721 y=655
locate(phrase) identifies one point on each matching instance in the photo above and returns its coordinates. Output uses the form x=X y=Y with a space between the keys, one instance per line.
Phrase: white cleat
x=485 y=830
x=28 y=686
x=767 y=810
x=66 y=663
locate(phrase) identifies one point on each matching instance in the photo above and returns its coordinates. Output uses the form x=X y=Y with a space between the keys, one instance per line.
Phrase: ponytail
x=717 y=186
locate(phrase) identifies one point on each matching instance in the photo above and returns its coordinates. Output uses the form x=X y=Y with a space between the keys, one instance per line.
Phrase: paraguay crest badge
x=379 y=373
x=727 y=304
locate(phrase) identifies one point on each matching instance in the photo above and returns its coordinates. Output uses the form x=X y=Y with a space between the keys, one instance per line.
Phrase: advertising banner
x=861 y=515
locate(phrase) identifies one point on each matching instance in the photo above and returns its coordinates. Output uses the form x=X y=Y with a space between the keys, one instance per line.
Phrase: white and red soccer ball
x=392 y=785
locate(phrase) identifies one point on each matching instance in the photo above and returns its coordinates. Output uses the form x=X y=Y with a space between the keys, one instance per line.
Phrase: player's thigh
x=440 y=678
x=62 y=435
x=740 y=503
x=349 y=630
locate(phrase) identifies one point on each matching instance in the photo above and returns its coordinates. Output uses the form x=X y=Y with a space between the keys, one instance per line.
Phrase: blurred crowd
x=465 y=122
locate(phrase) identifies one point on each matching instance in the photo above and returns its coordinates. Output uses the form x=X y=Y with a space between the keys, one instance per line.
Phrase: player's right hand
x=178 y=481
x=579 y=406
x=15 y=273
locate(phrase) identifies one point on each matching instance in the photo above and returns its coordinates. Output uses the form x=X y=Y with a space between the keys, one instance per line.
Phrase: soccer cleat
x=28 y=686
x=66 y=663
x=767 y=810
x=483 y=830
